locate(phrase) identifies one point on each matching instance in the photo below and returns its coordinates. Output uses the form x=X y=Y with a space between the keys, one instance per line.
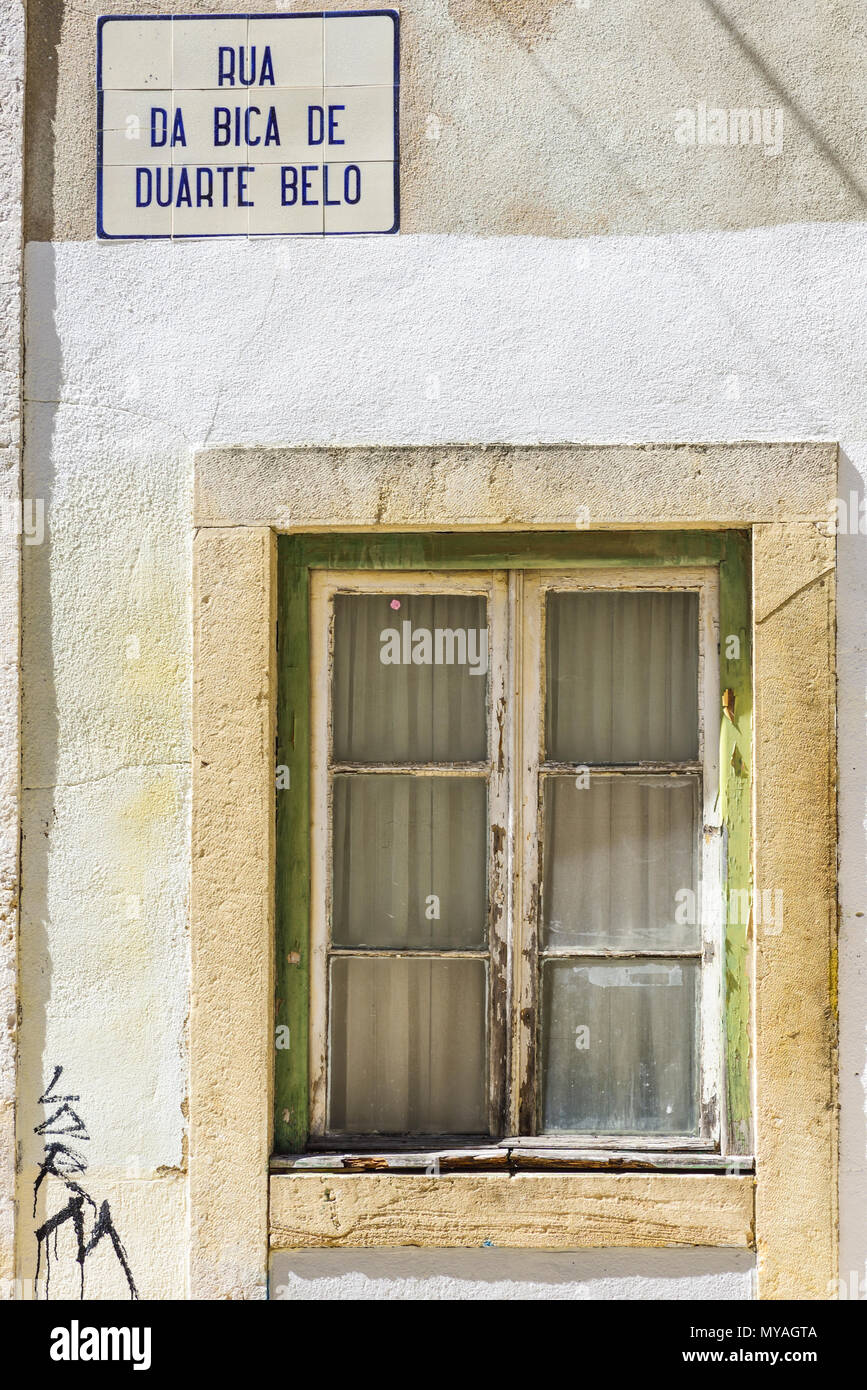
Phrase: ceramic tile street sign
x=247 y=125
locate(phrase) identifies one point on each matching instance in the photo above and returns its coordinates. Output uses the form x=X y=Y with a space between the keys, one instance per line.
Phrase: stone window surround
x=243 y=497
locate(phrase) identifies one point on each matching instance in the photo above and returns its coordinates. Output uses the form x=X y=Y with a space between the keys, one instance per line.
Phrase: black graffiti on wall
x=91 y=1222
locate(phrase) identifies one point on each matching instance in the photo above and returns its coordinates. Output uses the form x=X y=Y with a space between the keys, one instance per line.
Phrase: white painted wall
x=483 y=1275
x=12 y=66
x=139 y=353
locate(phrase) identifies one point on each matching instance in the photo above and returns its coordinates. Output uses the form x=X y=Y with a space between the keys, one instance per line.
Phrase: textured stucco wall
x=482 y=1275
x=488 y=325
x=557 y=117
x=12 y=66
x=272 y=342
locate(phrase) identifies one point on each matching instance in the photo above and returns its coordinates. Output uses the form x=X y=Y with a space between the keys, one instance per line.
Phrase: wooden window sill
x=503 y=1157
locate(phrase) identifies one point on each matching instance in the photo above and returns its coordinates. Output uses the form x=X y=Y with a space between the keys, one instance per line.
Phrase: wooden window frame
x=714 y=564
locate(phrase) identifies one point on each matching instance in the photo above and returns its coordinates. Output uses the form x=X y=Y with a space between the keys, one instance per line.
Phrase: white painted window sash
x=324 y=586
x=528 y=595
x=516 y=605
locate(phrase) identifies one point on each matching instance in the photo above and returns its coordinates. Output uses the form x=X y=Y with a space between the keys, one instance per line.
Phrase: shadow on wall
x=38 y=693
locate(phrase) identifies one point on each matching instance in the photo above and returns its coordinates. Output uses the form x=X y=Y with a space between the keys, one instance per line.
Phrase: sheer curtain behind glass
x=391 y=711
x=622 y=677
x=408 y=1035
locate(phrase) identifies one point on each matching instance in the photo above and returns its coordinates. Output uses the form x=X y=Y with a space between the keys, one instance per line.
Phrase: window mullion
x=527 y=675
x=321 y=638
x=710 y=897
x=499 y=994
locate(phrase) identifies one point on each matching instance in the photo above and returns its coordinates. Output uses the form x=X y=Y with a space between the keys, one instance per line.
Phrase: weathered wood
x=736 y=766
x=292 y=871
x=628 y=1161
x=656 y=1143
x=465 y=551
x=397 y=1143
x=527 y=1211
x=508 y=550
x=444 y=1159
x=495 y=1157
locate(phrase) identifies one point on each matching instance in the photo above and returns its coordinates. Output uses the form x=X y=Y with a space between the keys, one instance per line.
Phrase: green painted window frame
x=297 y=555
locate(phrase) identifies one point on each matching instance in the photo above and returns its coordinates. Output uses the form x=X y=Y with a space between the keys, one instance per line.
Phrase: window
x=771 y=718
x=515 y=896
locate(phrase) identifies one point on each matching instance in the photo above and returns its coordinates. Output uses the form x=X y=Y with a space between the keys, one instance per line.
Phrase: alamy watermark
x=853 y=1287
x=77 y=1343
x=764 y=908
x=738 y=125
x=442 y=646
x=25 y=518
x=847 y=516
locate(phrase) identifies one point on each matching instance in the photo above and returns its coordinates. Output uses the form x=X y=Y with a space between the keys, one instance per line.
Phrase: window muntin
x=642 y=962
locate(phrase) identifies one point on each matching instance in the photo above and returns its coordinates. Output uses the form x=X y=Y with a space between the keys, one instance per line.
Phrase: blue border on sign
x=103 y=235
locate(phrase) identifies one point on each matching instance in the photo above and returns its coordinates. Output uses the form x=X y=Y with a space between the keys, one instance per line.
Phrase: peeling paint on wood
x=293 y=849
x=736 y=759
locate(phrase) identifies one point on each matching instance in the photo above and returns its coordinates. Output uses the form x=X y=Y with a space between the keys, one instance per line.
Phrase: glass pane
x=619 y=863
x=410 y=861
x=619 y=1046
x=409 y=678
x=408 y=1052
x=622 y=677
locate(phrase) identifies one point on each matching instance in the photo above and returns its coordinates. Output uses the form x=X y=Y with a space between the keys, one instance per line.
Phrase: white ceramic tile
x=280 y=207
x=287 y=115
x=359 y=51
x=117 y=148
x=196 y=52
x=208 y=200
x=295 y=43
x=136 y=53
x=118 y=108
x=206 y=118
x=364 y=125
x=120 y=215
x=129 y=121
x=372 y=185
